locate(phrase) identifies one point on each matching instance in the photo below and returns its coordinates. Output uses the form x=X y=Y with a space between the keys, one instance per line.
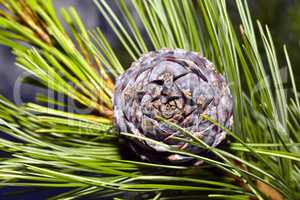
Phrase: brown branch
x=269 y=191
x=29 y=17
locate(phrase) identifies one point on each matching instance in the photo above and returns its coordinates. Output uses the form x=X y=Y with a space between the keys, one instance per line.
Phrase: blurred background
x=282 y=16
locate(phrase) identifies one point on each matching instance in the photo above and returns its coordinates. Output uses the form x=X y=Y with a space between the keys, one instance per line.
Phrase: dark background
x=282 y=16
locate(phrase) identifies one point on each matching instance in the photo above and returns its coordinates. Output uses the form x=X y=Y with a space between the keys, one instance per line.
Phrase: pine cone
x=176 y=85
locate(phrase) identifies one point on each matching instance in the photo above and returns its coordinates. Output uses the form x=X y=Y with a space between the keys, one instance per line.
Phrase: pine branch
x=55 y=148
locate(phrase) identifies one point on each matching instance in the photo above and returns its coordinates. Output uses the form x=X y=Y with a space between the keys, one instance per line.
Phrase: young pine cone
x=176 y=85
